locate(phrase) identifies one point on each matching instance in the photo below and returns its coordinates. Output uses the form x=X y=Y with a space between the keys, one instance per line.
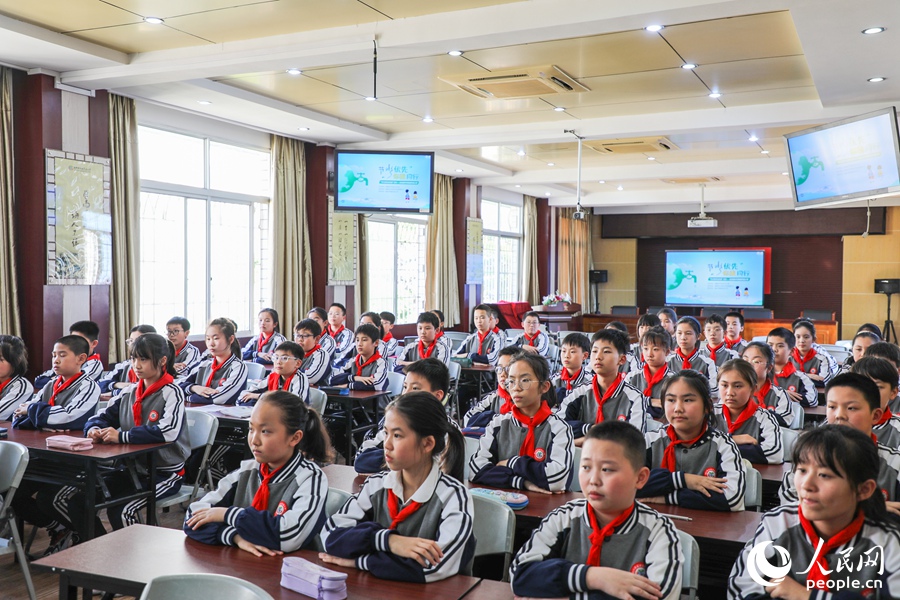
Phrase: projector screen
x=383 y=181
x=715 y=277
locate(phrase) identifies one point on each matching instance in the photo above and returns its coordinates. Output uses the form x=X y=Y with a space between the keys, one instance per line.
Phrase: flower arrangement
x=555 y=298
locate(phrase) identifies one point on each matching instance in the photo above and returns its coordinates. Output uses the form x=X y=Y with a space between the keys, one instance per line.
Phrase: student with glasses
x=316 y=364
x=186 y=354
x=286 y=375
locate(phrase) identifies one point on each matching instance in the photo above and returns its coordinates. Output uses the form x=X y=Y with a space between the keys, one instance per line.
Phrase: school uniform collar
x=706 y=435
x=629 y=524
x=287 y=471
x=394 y=482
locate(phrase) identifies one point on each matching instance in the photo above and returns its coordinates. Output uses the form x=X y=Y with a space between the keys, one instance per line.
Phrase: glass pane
x=240 y=170
x=508 y=279
x=410 y=271
x=380 y=292
x=161 y=255
x=170 y=157
x=230 y=289
x=510 y=218
x=489 y=214
x=489 y=292
x=263 y=261
x=195 y=241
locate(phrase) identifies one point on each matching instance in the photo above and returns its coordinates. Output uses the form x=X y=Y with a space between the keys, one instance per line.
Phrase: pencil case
x=514 y=500
x=310 y=579
x=69 y=442
x=463 y=361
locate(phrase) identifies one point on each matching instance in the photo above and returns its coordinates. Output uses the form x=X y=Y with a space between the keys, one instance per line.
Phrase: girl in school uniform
x=767 y=394
x=325 y=341
x=840 y=521
x=754 y=429
x=649 y=379
x=497 y=402
x=261 y=347
x=692 y=464
x=529 y=447
x=122 y=375
x=414 y=521
x=807 y=358
x=687 y=352
x=221 y=378
x=274 y=503
x=14 y=388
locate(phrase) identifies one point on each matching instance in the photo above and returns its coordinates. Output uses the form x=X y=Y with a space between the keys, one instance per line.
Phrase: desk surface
x=37 y=440
x=772 y=472
x=139 y=553
x=819 y=411
x=478 y=367
x=487 y=589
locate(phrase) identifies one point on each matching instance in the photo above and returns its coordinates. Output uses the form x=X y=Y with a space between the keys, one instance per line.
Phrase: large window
x=502 y=237
x=204 y=230
x=396 y=258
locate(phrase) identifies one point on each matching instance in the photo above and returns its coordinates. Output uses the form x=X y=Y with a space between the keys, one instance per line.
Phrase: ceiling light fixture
x=602 y=181
x=521 y=153
x=459 y=170
x=653 y=28
x=688 y=66
x=651 y=158
x=873 y=30
x=153 y=20
x=753 y=138
x=620 y=188
x=455 y=53
x=517 y=185
x=548 y=194
x=428 y=120
x=715 y=95
x=371 y=98
x=763 y=151
x=559 y=108
x=876 y=79
x=204 y=102
x=303 y=129
x=551 y=164
x=293 y=71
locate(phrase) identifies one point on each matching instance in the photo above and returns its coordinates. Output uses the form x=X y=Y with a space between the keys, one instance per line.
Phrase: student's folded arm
x=351 y=531
x=482 y=467
x=108 y=418
x=71 y=416
x=554 y=473
x=223 y=497
x=808 y=389
x=248 y=352
x=370 y=458
x=660 y=483
x=571 y=412
x=291 y=530
x=753 y=453
x=538 y=570
x=317 y=368
x=770 y=445
x=235 y=379
x=479 y=408
x=665 y=558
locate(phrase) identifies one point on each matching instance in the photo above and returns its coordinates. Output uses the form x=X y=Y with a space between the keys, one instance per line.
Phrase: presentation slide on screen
x=847 y=159
x=399 y=181
x=715 y=278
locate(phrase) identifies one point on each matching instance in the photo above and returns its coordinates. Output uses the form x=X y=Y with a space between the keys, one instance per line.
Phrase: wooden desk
x=815 y=414
x=125 y=560
x=347 y=403
x=80 y=469
x=481 y=373
x=487 y=589
x=560 y=317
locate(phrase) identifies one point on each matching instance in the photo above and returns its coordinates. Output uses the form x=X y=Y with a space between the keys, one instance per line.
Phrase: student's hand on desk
x=254 y=549
x=789 y=589
x=336 y=560
x=653 y=500
x=179 y=367
x=531 y=349
x=531 y=487
x=203 y=516
x=622 y=584
x=364 y=380
x=795 y=396
x=423 y=551
x=109 y=435
x=202 y=390
x=21 y=411
x=95 y=434
x=743 y=438
x=893 y=507
x=704 y=484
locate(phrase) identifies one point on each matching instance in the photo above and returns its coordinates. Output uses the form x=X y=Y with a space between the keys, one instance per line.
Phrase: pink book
x=69 y=442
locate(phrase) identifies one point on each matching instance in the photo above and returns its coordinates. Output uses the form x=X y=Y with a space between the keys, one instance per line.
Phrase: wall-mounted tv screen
x=846 y=160
x=715 y=277
x=369 y=181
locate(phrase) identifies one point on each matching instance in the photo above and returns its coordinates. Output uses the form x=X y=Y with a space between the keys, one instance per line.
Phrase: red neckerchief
x=802 y=360
x=601 y=400
x=539 y=417
x=183 y=346
x=496 y=330
x=686 y=360
x=360 y=367
x=788 y=370
x=745 y=416
x=142 y=393
x=668 y=460
x=817 y=573
x=439 y=335
x=731 y=344
x=314 y=348
x=712 y=351
x=885 y=417
x=59 y=385
x=261 y=497
x=531 y=339
x=213 y=368
x=263 y=341
x=3 y=385
x=94 y=356
x=274 y=379
x=388 y=337
x=334 y=334
x=565 y=377
x=481 y=339
x=762 y=393
x=132 y=377
x=652 y=379
x=508 y=403
x=426 y=352
x=598 y=534
x=397 y=515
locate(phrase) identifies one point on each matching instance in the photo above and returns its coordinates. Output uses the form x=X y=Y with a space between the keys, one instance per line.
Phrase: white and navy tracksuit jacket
x=579 y=409
x=17 y=390
x=779 y=404
x=92 y=367
x=552 y=563
x=360 y=529
x=229 y=381
x=489 y=351
x=297 y=384
x=189 y=355
x=822 y=364
x=541 y=343
x=800 y=383
x=370 y=457
x=377 y=369
x=888 y=432
x=343 y=343
x=562 y=388
x=723 y=354
x=484 y=410
x=440 y=351
x=503 y=439
x=637 y=380
x=739 y=346
x=764 y=428
x=119 y=374
x=894 y=405
x=714 y=455
x=876 y=547
x=294 y=516
x=72 y=407
x=390 y=345
x=251 y=349
x=701 y=364
x=317 y=366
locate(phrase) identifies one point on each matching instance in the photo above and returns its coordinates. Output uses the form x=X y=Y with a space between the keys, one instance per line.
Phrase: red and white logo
x=710 y=471
x=813 y=371
x=540 y=454
x=154 y=416
x=792 y=388
x=621 y=417
x=281 y=508
x=639 y=568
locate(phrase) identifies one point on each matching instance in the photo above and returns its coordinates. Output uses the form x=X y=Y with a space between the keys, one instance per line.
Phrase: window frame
x=393 y=219
x=506 y=234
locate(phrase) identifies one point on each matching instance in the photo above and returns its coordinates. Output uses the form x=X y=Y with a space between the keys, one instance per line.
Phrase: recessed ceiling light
x=551 y=164
x=753 y=138
x=517 y=185
x=620 y=188
x=873 y=30
x=303 y=129
x=602 y=181
x=784 y=172
x=293 y=71
x=651 y=158
x=548 y=194
x=459 y=170
x=371 y=98
x=653 y=28
x=428 y=120
x=153 y=20
x=688 y=66
x=521 y=153
x=455 y=53
x=204 y=102
x=876 y=79
x=763 y=151
x=715 y=95
x=559 y=108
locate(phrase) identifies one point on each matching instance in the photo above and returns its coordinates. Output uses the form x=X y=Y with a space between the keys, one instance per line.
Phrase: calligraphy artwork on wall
x=342 y=243
x=474 y=252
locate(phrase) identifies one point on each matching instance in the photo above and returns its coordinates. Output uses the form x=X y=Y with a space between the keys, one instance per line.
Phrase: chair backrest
x=576 y=461
x=753 y=491
x=456 y=338
x=494 y=527
x=410 y=339
x=455 y=370
x=623 y=310
x=553 y=354
x=788 y=439
x=818 y=315
x=471 y=448
x=838 y=353
x=512 y=334
x=690 y=571
x=335 y=500
x=653 y=425
x=200 y=586
x=317 y=400
x=395 y=383
x=799 y=416
x=714 y=310
x=13 y=461
x=255 y=370
x=202 y=428
x=758 y=313
x=759 y=338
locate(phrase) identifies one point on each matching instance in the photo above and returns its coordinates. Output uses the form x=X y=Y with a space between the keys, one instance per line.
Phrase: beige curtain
x=292 y=275
x=441 y=286
x=125 y=195
x=531 y=292
x=9 y=303
x=574 y=260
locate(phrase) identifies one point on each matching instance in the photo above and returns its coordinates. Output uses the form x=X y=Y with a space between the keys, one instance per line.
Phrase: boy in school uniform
x=187 y=355
x=92 y=367
x=715 y=347
x=891 y=353
x=495 y=327
x=482 y=346
x=439 y=335
x=607 y=397
x=286 y=375
x=655 y=346
x=497 y=401
x=883 y=373
x=606 y=542
x=533 y=340
x=573 y=374
x=734 y=329
x=428 y=345
x=368 y=371
x=343 y=337
x=390 y=342
x=316 y=363
x=644 y=323
x=122 y=375
x=798 y=386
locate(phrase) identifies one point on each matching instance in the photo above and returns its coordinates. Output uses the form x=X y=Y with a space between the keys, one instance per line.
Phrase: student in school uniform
x=495 y=327
x=414 y=521
x=439 y=334
x=734 y=329
x=221 y=378
x=274 y=503
x=883 y=373
x=261 y=346
x=807 y=358
x=625 y=367
x=715 y=348
x=122 y=374
x=799 y=387
x=644 y=323
x=692 y=463
x=668 y=319
x=320 y=316
x=573 y=374
x=754 y=429
x=368 y=371
x=15 y=389
x=187 y=355
x=533 y=339
x=606 y=542
x=387 y=323
x=767 y=394
x=839 y=522
x=286 y=375
x=426 y=375
x=316 y=364
x=607 y=397
x=861 y=341
x=498 y=401
x=687 y=353
x=484 y=344
x=428 y=345
x=92 y=367
x=853 y=401
x=655 y=346
x=337 y=330
x=372 y=318
x=891 y=353
x=530 y=447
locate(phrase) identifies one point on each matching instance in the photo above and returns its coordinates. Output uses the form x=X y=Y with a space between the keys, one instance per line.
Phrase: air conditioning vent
x=547 y=80
x=632 y=145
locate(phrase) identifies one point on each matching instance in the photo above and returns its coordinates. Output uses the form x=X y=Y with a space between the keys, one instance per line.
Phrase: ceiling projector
x=703 y=221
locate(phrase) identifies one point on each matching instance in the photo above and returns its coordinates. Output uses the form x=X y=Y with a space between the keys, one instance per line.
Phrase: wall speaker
x=599 y=276
x=887 y=286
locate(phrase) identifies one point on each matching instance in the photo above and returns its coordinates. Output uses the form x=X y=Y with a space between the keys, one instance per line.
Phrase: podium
x=560 y=317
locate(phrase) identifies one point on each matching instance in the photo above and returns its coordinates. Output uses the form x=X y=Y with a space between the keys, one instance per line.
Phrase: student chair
x=788 y=439
x=758 y=313
x=456 y=339
x=652 y=310
x=255 y=370
x=690 y=571
x=202 y=428
x=753 y=489
x=334 y=501
x=799 y=416
x=759 y=338
x=13 y=462
x=512 y=334
x=818 y=315
x=317 y=400
x=471 y=448
x=494 y=529
x=624 y=310
x=576 y=463
x=838 y=353
x=200 y=586
x=553 y=354
x=714 y=310
x=395 y=383
x=451 y=399
x=654 y=425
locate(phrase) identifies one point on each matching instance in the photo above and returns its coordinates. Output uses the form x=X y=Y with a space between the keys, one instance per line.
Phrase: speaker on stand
x=597 y=277
x=888 y=287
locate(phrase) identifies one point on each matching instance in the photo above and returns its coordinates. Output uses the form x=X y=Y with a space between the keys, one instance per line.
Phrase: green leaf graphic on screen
x=678 y=276
x=351 y=178
x=807 y=165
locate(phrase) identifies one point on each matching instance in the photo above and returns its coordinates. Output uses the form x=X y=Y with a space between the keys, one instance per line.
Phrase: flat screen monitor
x=369 y=181
x=715 y=277
x=846 y=160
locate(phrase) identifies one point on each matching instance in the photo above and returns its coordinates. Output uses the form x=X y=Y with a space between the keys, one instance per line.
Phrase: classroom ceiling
x=778 y=66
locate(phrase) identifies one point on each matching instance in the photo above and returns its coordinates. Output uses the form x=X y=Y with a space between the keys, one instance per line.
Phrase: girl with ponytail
x=220 y=378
